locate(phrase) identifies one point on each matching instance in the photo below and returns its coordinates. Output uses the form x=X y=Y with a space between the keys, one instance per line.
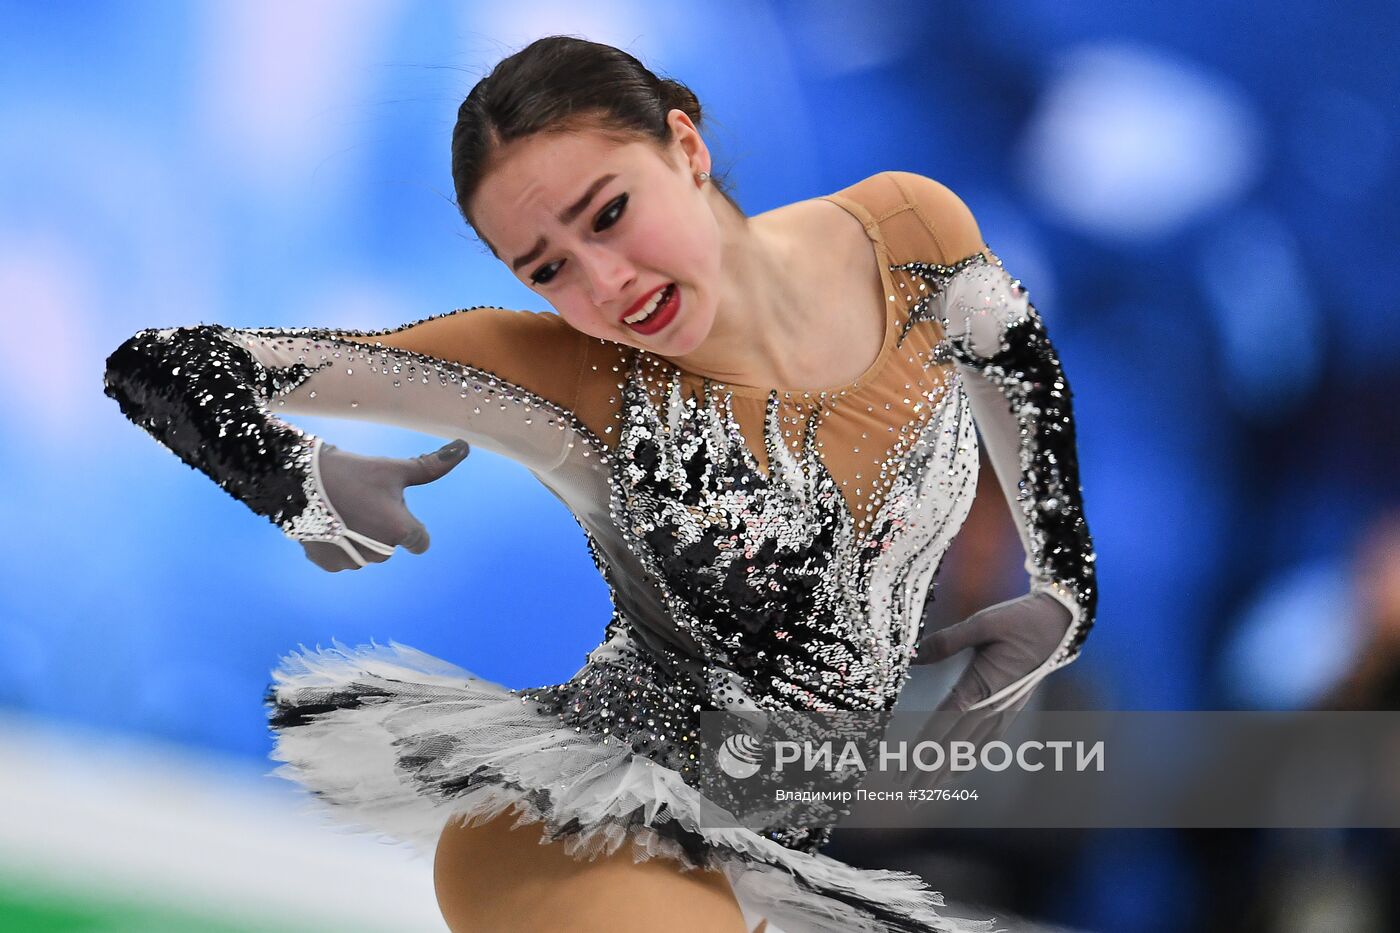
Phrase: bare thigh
x=495 y=879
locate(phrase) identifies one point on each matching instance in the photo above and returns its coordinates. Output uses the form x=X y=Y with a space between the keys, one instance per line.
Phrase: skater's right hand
x=367 y=493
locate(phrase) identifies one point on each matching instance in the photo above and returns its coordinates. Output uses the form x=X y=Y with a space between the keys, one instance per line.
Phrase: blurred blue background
x=1200 y=198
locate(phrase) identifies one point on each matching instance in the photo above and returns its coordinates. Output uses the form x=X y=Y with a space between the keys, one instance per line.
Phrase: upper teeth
x=647 y=308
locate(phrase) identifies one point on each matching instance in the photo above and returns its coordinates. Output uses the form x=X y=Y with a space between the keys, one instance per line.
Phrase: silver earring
x=703 y=177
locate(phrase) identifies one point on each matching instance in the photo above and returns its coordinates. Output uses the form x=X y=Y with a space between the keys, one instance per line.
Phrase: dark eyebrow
x=566 y=217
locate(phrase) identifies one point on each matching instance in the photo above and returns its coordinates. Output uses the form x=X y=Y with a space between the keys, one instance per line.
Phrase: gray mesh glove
x=363 y=498
x=1011 y=639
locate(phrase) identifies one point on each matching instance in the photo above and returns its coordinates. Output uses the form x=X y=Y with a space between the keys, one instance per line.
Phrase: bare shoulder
x=819 y=231
x=943 y=212
x=939 y=209
x=808 y=218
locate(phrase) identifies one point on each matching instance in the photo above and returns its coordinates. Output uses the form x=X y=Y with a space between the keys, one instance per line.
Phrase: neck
x=761 y=317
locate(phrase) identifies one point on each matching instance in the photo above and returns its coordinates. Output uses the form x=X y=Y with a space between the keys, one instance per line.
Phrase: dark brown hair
x=562 y=84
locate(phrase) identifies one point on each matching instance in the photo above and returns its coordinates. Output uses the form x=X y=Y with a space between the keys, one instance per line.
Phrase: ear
x=686 y=143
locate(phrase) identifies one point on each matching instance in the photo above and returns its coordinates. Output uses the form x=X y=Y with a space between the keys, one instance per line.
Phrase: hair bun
x=676 y=96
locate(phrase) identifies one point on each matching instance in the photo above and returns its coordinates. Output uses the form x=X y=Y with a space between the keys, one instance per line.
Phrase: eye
x=613 y=211
x=540 y=271
x=610 y=216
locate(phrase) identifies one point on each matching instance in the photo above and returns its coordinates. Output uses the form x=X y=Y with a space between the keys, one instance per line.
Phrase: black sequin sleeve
x=1022 y=404
x=205 y=398
x=213 y=395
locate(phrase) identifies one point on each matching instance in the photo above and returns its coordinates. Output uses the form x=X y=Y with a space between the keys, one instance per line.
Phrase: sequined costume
x=763 y=548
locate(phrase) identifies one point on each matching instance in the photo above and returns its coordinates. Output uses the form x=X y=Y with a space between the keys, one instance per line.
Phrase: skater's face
x=598 y=228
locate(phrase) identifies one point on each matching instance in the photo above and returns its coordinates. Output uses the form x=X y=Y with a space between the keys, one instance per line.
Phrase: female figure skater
x=765 y=427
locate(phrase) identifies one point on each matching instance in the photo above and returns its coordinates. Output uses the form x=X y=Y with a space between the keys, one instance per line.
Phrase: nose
x=609 y=275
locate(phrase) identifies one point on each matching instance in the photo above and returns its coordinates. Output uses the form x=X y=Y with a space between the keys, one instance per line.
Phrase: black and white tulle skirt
x=392 y=741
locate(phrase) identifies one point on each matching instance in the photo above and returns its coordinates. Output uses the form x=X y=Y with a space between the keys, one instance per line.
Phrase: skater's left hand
x=1012 y=640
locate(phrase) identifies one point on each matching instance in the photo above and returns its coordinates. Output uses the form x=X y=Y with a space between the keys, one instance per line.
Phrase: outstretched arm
x=1020 y=400
x=490 y=376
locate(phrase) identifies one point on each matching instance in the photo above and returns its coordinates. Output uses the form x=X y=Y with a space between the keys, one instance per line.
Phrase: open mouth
x=660 y=314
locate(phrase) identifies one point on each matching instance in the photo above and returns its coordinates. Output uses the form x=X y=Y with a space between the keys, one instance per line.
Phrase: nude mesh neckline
x=892 y=327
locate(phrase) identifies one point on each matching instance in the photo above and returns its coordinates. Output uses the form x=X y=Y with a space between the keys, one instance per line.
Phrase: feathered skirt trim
x=397 y=742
